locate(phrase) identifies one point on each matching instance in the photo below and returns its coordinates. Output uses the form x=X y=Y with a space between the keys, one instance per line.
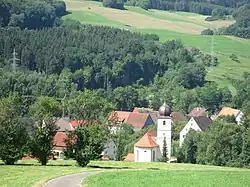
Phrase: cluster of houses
x=149 y=148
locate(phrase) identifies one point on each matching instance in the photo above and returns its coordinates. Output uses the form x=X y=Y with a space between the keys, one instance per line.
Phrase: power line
x=14 y=59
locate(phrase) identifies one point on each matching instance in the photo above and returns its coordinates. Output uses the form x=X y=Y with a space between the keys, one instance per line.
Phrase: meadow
x=172 y=25
x=31 y=174
x=169 y=178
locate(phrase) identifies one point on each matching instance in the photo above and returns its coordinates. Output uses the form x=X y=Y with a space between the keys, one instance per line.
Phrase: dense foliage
x=118 y=4
x=44 y=129
x=31 y=14
x=13 y=131
x=88 y=140
x=241 y=28
x=223 y=144
x=218 y=7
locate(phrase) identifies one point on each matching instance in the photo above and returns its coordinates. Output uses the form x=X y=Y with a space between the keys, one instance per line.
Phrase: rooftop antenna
x=14 y=59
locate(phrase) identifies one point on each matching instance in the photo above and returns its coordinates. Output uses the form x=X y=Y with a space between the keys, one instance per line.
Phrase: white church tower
x=164 y=128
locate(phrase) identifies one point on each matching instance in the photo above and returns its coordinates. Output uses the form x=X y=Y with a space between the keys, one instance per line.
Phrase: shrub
x=207 y=32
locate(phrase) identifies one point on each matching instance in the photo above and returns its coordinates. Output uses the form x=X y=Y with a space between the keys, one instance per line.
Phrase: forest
x=197 y=6
x=31 y=14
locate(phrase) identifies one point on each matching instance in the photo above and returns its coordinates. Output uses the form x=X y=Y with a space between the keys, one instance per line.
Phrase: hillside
x=172 y=25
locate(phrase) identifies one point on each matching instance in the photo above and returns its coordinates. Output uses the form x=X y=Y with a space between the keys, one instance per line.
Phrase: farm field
x=172 y=25
x=169 y=178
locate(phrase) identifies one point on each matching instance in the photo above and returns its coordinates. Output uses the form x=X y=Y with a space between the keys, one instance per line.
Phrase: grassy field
x=170 y=178
x=172 y=25
x=30 y=173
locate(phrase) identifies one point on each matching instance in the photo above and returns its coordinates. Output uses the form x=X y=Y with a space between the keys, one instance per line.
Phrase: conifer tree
x=164 y=151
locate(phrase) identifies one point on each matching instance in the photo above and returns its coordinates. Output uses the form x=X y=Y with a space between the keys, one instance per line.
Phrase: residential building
x=59 y=145
x=136 y=119
x=65 y=125
x=200 y=123
x=198 y=111
x=227 y=111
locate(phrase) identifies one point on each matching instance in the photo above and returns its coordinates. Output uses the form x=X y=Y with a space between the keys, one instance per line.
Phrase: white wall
x=110 y=150
x=143 y=154
x=164 y=129
x=190 y=125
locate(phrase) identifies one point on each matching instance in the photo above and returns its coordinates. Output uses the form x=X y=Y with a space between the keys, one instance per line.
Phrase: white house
x=200 y=123
x=149 y=147
x=227 y=111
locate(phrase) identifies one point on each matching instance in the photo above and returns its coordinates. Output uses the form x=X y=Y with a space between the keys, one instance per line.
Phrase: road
x=74 y=180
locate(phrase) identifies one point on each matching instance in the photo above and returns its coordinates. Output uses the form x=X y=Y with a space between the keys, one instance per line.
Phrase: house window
x=163 y=134
x=184 y=136
x=113 y=146
x=164 y=122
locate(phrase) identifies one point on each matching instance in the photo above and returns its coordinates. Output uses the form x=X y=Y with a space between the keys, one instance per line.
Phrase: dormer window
x=164 y=122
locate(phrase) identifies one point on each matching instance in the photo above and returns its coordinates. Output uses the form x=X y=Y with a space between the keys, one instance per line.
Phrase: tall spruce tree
x=164 y=151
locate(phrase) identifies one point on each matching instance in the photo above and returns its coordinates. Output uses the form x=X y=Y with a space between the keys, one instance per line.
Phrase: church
x=150 y=147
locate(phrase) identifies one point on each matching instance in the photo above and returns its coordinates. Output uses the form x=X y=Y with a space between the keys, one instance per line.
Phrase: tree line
x=31 y=14
x=202 y=7
x=223 y=144
x=33 y=135
x=241 y=28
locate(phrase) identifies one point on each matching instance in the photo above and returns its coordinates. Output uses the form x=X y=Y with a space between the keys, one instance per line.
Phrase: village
x=148 y=148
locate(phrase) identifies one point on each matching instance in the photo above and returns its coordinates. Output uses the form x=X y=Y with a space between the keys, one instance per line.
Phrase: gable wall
x=190 y=125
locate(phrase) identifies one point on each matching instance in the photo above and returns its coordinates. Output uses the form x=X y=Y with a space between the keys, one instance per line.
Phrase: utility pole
x=63 y=112
x=14 y=59
x=212 y=48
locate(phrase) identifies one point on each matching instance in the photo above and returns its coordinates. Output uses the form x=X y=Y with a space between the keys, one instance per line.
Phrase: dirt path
x=74 y=180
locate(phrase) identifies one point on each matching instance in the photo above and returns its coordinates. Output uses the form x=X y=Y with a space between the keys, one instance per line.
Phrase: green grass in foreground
x=30 y=173
x=161 y=166
x=169 y=178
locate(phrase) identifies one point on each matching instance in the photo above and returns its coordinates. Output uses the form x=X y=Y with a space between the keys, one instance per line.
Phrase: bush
x=117 y=4
x=211 y=18
x=207 y=32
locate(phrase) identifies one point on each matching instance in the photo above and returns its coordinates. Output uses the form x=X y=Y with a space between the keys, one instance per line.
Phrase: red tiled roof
x=147 y=140
x=129 y=157
x=76 y=123
x=120 y=116
x=137 y=120
x=198 y=111
x=142 y=110
x=59 y=139
x=179 y=116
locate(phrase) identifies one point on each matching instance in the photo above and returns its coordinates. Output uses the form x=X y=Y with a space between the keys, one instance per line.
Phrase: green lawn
x=93 y=13
x=161 y=166
x=170 y=178
x=30 y=173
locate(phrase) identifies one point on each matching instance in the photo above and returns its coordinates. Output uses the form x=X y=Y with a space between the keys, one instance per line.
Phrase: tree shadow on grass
x=109 y=167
